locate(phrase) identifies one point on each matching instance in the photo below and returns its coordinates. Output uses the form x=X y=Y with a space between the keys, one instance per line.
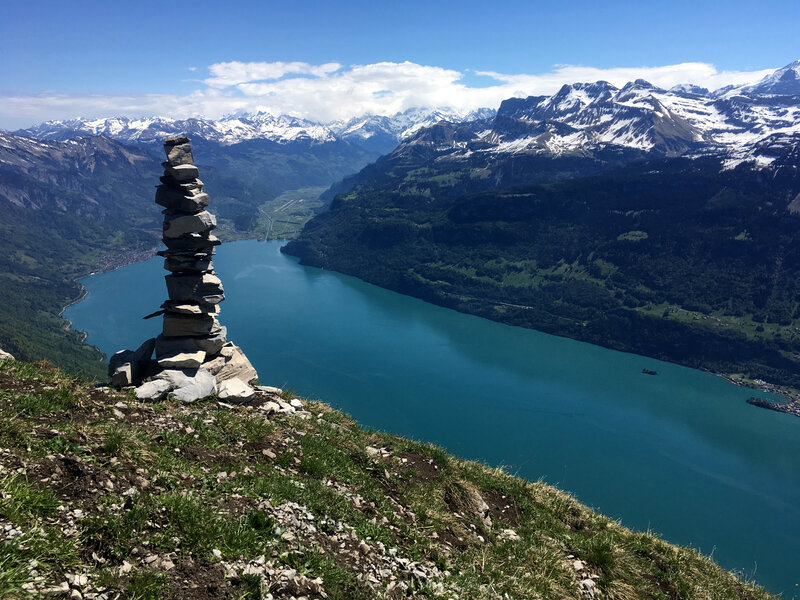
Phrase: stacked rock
x=193 y=358
x=191 y=331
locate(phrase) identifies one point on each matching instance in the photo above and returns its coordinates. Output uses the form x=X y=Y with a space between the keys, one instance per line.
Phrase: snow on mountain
x=404 y=124
x=785 y=81
x=233 y=129
x=749 y=123
x=228 y=130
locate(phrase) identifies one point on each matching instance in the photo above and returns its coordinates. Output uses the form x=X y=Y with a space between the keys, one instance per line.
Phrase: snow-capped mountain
x=226 y=131
x=376 y=132
x=747 y=123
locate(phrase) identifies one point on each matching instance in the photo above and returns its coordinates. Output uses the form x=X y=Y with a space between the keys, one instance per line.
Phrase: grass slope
x=104 y=497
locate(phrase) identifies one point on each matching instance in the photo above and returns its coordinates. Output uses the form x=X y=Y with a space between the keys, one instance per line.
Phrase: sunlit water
x=680 y=454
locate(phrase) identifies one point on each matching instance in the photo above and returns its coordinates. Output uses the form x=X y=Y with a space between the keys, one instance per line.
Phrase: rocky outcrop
x=192 y=355
x=5 y=355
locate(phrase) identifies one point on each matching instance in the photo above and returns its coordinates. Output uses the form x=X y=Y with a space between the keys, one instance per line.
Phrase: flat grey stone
x=189 y=325
x=275 y=391
x=182 y=360
x=184 y=308
x=6 y=355
x=198 y=263
x=194 y=241
x=175 y=140
x=195 y=289
x=211 y=344
x=180 y=173
x=188 y=188
x=179 y=199
x=180 y=224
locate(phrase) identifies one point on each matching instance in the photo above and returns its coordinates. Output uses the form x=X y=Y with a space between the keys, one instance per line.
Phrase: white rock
x=153 y=390
x=235 y=390
x=189 y=385
x=296 y=403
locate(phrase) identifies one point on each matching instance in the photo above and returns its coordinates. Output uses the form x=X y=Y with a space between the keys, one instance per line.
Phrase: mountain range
x=373 y=132
x=755 y=123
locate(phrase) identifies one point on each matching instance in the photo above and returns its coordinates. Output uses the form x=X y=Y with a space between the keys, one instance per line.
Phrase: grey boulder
x=231 y=364
x=127 y=367
x=179 y=154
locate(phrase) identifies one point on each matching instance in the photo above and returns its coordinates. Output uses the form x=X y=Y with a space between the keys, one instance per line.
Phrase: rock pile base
x=193 y=358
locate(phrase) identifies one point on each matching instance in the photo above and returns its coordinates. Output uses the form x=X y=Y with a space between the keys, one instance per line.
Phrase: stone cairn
x=193 y=358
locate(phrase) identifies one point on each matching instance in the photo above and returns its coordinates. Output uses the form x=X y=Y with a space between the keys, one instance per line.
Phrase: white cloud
x=331 y=91
x=702 y=74
x=233 y=73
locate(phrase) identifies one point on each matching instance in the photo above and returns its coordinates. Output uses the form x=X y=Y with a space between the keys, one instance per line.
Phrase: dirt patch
x=70 y=477
x=425 y=469
x=451 y=539
x=502 y=508
x=256 y=450
x=237 y=507
x=207 y=456
x=201 y=580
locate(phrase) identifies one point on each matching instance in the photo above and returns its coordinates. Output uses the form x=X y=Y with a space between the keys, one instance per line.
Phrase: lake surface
x=680 y=453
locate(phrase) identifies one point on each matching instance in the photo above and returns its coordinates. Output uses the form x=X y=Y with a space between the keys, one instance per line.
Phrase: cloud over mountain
x=332 y=91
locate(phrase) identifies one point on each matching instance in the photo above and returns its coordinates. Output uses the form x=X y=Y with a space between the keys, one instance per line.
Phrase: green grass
x=220 y=501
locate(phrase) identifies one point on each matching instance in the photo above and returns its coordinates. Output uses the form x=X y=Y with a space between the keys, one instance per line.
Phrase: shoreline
x=111 y=265
x=790 y=408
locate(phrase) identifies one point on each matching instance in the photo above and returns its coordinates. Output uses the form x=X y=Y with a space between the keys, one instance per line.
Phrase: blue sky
x=104 y=58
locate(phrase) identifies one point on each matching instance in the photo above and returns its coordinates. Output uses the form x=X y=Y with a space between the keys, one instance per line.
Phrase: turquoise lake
x=680 y=454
